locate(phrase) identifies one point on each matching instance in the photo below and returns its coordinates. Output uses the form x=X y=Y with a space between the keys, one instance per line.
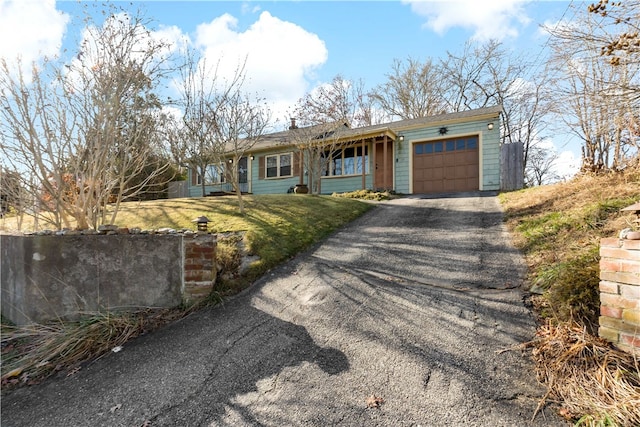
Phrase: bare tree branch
x=86 y=131
x=412 y=90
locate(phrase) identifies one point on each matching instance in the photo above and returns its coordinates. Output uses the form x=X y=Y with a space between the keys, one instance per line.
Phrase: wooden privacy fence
x=512 y=165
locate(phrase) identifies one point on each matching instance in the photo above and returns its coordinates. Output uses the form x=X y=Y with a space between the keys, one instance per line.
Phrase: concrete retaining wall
x=620 y=293
x=49 y=277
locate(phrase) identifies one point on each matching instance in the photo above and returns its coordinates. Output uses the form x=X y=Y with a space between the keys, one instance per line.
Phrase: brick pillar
x=199 y=266
x=620 y=293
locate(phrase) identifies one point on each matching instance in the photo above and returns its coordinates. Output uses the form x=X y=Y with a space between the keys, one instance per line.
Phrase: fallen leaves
x=14 y=373
x=374 y=401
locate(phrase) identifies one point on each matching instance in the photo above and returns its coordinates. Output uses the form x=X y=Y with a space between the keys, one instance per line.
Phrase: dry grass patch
x=34 y=352
x=558 y=228
x=596 y=384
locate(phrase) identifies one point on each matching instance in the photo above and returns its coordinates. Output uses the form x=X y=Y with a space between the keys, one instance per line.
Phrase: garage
x=446 y=165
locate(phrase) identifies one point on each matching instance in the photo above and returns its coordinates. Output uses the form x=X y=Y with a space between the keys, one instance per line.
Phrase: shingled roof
x=286 y=138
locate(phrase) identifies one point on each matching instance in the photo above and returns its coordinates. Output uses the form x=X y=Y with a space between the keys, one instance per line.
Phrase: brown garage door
x=448 y=165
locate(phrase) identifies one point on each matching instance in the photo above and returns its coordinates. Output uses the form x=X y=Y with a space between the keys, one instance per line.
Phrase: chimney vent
x=293 y=124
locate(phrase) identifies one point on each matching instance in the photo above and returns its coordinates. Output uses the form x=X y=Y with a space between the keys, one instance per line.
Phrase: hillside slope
x=558 y=228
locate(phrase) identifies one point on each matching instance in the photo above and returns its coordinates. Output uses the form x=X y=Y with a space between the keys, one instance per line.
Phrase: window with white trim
x=348 y=161
x=278 y=165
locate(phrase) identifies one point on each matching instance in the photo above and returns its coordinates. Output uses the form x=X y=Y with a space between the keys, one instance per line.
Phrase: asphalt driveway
x=413 y=304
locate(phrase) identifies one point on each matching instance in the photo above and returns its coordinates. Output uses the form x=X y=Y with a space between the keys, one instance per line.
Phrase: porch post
x=364 y=167
x=301 y=166
x=384 y=162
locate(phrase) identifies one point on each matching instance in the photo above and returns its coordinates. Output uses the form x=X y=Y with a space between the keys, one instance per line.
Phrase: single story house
x=454 y=152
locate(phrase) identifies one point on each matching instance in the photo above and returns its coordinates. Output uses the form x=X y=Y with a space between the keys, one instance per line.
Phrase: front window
x=213 y=174
x=348 y=161
x=279 y=165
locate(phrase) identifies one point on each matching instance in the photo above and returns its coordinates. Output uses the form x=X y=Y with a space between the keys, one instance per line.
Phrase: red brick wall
x=620 y=293
x=199 y=266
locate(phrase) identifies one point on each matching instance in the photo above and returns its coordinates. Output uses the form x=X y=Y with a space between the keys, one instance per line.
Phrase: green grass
x=559 y=227
x=539 y=230
x=597 y=214
x=275 y=227
x=366 y=195
x=572 y=288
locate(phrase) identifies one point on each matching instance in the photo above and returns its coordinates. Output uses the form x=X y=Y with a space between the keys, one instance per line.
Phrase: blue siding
x=328 y=186
x=269 y=185
x=403 y=172
x=273 y=185
x=490 y=142
x=345 y=184
x=489 y=148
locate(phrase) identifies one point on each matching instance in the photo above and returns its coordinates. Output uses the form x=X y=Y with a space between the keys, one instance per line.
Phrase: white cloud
x=281 y=56
x=566 y=165
x=30 y=29
x=172 y=36
x=488 y=19
x=247 y=7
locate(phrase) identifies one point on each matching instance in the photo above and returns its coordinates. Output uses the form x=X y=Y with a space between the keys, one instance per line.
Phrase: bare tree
x=527 y=107
x=618 y=45
x=413 y=89
x=598 y=101
x=367 y=111
x=219 y=123
x=541 y=166
x=194 y=141
x=486 y=74
x=465 y=78
x=341 y=100
x=241 y=123
x=12 y=195
x=85 y=129
x=318 y=143
x=323 y=115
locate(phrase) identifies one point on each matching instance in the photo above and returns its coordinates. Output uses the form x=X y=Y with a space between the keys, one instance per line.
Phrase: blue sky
x=293 y=46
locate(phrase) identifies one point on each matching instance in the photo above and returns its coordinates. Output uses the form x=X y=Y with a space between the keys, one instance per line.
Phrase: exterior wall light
x=230 y=160
x=443 y=130
x=490 y=126
x=401 y=138
x=202 y=222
